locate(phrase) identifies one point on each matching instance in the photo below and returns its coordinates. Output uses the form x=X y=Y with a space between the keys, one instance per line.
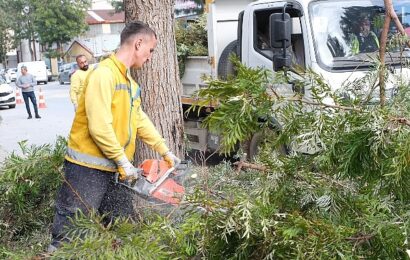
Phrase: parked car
x=5 y=76
x=49 y=74
x=36 y=68
x=12 y=73
x=65 y=72
x=7 y=94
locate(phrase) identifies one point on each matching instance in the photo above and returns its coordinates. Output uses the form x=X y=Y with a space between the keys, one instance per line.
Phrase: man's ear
x=137 y=43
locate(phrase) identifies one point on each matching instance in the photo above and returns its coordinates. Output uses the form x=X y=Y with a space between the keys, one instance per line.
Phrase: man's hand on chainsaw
x=171 y=159
x=126 y=170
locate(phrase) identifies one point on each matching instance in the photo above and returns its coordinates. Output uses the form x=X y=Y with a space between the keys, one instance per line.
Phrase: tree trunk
x=390 y=15
x=159 y=78
x=30 y=47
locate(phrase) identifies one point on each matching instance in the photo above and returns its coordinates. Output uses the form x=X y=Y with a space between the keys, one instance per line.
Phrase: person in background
x=27 y=82
x=365 y=40
x=102 y=139
x=78 y=79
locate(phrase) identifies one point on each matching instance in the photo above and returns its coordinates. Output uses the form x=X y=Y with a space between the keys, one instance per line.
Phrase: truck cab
x=338 y=39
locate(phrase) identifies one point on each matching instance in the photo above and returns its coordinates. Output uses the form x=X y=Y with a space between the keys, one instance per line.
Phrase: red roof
x=104 y=16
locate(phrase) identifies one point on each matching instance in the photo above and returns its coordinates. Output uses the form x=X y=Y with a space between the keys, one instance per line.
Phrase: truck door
x=256 y=50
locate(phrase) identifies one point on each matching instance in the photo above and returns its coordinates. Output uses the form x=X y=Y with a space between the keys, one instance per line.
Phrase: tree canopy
x=58 y=21
x=48 y=21
x=4 y=36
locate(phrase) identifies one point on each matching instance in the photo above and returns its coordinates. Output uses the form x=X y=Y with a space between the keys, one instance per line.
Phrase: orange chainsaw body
x=161 y=187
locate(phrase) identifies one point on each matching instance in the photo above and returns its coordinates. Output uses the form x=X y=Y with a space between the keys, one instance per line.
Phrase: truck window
x=261 y=37
x=346 y=33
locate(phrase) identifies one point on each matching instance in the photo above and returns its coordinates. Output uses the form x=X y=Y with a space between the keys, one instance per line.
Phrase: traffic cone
x=42 y=102
x=19 y=100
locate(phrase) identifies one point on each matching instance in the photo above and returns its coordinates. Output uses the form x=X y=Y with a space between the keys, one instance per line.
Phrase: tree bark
x=390 y=15
x=382 y=54
x=159 y=78
x=30 y=47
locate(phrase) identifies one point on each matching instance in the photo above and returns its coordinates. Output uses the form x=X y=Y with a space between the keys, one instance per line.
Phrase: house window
x=106 y=28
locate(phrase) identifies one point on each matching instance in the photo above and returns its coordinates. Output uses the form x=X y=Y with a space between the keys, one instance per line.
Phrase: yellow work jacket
x=77 y=82
x=108 y=119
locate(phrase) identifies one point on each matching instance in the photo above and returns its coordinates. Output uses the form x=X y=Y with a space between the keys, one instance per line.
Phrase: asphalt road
x=55 y=120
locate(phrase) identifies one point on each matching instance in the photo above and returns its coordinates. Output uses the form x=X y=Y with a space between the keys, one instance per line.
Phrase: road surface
x=55 y=120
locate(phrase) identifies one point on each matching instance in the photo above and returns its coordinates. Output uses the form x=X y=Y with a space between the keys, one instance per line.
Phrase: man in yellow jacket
x=109 y=117
x=77 y=80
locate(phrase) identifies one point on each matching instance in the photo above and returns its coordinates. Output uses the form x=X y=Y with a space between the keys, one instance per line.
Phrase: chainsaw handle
x=119 y=180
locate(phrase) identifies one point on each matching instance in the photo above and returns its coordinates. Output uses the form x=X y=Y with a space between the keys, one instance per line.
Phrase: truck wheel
x=225 y=66
x=259 y=139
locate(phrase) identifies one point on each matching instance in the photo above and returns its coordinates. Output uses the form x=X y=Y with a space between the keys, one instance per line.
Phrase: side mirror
x=280 y=27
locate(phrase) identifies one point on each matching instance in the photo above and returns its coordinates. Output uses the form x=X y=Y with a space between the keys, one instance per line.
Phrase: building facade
x=102 y=37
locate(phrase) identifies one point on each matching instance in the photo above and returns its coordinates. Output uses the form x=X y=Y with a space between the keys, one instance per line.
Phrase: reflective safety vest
x=108 y=119
x=368 y=44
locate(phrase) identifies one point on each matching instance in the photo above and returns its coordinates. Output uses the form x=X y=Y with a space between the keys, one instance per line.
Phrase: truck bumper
x=200 y=138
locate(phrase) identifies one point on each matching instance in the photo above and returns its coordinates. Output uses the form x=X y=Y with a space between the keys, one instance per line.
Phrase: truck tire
x=225 y=66
x=258 y=139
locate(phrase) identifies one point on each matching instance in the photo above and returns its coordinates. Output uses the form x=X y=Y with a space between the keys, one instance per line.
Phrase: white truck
x=36 y=68
x=320 y=38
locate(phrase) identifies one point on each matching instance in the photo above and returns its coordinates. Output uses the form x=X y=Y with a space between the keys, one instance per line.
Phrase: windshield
x=346 y=33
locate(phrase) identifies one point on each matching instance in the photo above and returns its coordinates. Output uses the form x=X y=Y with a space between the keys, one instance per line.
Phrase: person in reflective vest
x=366 y=40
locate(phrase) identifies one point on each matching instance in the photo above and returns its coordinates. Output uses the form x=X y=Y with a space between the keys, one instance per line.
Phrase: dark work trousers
x=88 y=189
x=30 y=95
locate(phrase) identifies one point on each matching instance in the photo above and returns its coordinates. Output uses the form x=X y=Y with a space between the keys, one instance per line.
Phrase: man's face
x=365 y=28
x=143 y=48
x=23 y=71
x=82 y=63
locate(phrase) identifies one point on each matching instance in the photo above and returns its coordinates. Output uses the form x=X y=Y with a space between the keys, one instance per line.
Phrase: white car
x=6 y=77
x=12 y=73
x=7 y=94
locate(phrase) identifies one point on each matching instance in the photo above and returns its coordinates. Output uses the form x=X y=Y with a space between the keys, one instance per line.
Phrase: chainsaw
x=158 y=181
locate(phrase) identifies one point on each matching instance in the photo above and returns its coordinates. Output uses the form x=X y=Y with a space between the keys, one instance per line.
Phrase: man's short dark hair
x=134 y=28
